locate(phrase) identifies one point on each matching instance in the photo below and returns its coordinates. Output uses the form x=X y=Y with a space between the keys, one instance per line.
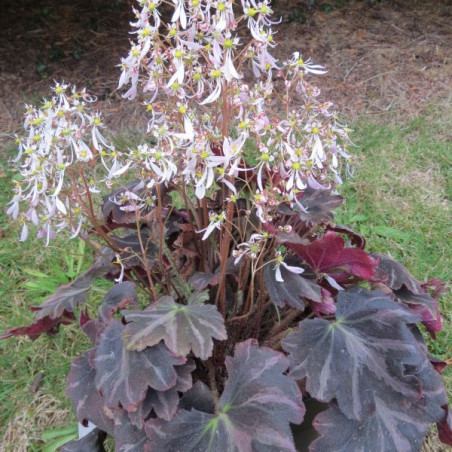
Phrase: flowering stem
x=144 y=259
x=213 y=384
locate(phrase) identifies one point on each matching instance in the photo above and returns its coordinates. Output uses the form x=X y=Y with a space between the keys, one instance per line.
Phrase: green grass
x=399 y=199
x=33 y=374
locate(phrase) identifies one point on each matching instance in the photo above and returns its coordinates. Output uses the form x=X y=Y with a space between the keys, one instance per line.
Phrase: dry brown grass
x=26 y=427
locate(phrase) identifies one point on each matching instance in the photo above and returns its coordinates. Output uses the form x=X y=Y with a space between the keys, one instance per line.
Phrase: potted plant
x=238 y=301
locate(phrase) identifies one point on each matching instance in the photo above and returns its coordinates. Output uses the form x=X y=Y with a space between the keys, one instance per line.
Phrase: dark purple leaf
x=92 y=442
x=200 y=280
x=292 y=290
x=45 y=325
x=183 y=328
x=124 y=376
x=191 y=431
x=356 y=239
x=164 y=403
x=370 y=332
x=423 y=305
x=396 y=424
x=325 y=307
x=318 y=204
x=129 y=438
x=396 y=275
x=438 y=364
x=69 y=296
x=390 y=429
x=199 y=397
x=87 y=401
x=94 y=329
x=445 y=427
x=131 y=252
x=257 y=405
x=328 y=255
x=119 y=209
x=118 y=297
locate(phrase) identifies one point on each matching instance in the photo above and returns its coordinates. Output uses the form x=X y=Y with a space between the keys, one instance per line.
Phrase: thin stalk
x=213 y=385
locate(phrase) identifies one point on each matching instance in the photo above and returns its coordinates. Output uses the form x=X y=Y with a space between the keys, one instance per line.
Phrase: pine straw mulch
x=393 y=57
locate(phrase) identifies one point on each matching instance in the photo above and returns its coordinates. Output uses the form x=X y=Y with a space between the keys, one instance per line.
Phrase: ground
x=389 y=62
x=389 y=58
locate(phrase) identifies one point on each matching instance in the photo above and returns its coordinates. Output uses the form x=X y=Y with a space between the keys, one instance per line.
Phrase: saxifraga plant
x=256 y=300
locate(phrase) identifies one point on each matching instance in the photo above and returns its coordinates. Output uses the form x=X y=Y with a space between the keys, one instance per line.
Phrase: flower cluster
x=213 y=126
x=224 y=116
x=62 y=144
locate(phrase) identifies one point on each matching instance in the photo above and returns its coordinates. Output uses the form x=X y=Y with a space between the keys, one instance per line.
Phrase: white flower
x=279 y=262
x=215 y=222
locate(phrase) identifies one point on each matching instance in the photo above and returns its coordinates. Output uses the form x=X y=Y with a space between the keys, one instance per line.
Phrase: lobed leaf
x=256 y=381
x=198 y=397
x=200 y=280
x=328 y=255
x=370 y=334
x=92 y=442
x=69 y=296
x=396 y=424
x=183 y=328
x=119 y=296
x=318 y=205
x=117 y=213
x=389 y=430
x=131 y=253
x=164 y=403
x=396 y=275
x=423 y=305
x=45 y=325
x=445 y=427
x=356 y=239
x=87 y=401
x=124 y=376
x=292 y=290
x=129 y=438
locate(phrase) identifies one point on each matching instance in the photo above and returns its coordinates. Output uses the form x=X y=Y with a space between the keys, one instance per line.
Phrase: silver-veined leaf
x=255 y=410
x=183 y=328
x=124 y=376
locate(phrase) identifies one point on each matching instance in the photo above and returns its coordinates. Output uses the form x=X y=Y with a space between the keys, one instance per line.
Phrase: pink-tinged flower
x=24 y=233
x=250 y=249
x=179 y=13
x=216 y=76
x=215 y=222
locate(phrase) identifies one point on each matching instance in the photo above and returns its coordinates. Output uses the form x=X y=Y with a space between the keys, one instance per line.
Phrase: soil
x=384 y=58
